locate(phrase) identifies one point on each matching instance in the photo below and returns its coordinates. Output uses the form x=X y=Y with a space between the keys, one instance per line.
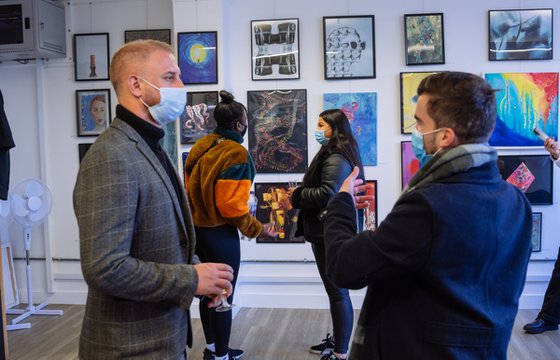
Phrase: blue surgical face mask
x=171 y=105
x=418 y=145
x=320 y=137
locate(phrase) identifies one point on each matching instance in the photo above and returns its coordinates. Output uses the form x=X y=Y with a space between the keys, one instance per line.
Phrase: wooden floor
x=264 y=334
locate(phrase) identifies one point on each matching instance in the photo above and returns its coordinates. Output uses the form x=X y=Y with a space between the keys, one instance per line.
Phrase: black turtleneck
x=152 y=135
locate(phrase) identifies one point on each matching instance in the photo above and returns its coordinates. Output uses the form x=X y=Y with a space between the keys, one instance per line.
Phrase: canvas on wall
x=198 y=57
x=198 y=120
x=370 y=212
x=409 y=163
x=409 y=98
x=536 y=234
x=424 y=40
x=524 y=100
x=278 y=130
x=361 y=111
x=532 y=174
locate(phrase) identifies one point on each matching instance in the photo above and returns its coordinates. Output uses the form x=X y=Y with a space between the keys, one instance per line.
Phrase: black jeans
x=551 y=305
x=342 y=312
x=218 y=245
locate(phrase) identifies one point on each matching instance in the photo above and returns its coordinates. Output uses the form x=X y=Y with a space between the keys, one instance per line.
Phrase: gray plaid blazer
x=136 y=247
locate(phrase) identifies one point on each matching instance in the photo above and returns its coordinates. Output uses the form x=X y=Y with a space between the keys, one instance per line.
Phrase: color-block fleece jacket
x=219 y=173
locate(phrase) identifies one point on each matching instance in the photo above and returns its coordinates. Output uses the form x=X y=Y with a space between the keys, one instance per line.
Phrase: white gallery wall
x=40 y=104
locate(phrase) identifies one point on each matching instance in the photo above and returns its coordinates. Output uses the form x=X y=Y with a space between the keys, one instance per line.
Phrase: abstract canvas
x=169 y=143
x=537 y=232
x=531 y=173
x=409 y=98
x=409 y=163
x=198 y=120
x=524 y=100
x=361 y=110
x=198 y=57
x=370 y=212
x=424 y=43
x=274 y=207
x=278 y=130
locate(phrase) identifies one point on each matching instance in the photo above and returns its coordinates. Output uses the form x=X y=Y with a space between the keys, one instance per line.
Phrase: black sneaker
x=330 y=356
x=234 y=354
x=325 y=347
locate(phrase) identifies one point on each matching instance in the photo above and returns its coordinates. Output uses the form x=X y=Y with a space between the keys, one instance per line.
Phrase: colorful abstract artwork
x=424 y=39
x=524 y=100
x=409 y=98
x=274 y=207
x=198 y=120
x=198 y=57
x=531 y=173
x=278 y=130
x=361 y=110
x=409 y=163
x=537 y=232
x=169 y=143
x=370 y=212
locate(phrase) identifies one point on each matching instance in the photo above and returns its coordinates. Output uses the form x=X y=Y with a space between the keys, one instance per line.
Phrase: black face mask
x=244 y=129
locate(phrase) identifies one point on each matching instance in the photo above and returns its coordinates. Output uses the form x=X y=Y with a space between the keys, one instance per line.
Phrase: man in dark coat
x=6 y=143
x=445 y=269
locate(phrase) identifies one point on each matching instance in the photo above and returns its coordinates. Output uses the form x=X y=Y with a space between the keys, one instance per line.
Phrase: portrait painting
x=93 y=111
x=198 y=57
x=532 y=174
x=524 y=101
x=370 y=212
x=424 y=43
x=349 y=47
x=198 y=120
x=274 y=207
x=163 y=35
x=278 y=130
x=409 y=85
x=361 y=111
x=520 y=34
x=91 y=57
x=275 y=49
x=409 y=163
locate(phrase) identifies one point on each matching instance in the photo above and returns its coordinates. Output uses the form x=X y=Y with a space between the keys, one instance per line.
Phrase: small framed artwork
x=409 y=97
x=349 y=47
x=532 y=174
x=423 y=39
x=275 y=49
x=93 y=111
x=198 y=57
x=536 y=234
x=409 y=163
x=274 y=207
x=370 y=212
x=163 y=35
x=520 y=34
x=198 y=120
x=82 y=150
x=91 y=56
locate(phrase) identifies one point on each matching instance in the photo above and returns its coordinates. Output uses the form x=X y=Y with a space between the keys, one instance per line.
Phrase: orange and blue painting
x=524 y=101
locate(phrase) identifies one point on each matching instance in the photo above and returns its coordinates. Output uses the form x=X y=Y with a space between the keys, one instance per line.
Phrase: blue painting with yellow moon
x=361 y=111
x=198 y=58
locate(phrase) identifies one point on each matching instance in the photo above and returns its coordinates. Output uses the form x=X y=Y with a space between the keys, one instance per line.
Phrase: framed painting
x=524 y=34
x=82 y=150
x=361 y=111
x=93 y=111
x=198 y=120
x=349 y=47
x=184 y=156
x=275 y=49
x=526 y=101
x=409 y=163
x=274 y=207
x=532 y=174
x=169 y=143
x=198 y=57
x=91 y=56
x=278 y=130
x=423 y=39
x=409 y=84
x=370 y=212
x=536 y=234
x=163 y=35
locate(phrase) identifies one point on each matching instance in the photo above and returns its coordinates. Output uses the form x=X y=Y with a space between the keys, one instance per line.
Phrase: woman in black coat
x=335 y=160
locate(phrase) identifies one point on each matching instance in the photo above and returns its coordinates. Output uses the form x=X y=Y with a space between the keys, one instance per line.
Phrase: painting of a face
x=97 y=109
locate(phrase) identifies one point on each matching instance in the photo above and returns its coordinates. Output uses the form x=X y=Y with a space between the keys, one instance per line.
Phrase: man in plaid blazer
x=136 y=233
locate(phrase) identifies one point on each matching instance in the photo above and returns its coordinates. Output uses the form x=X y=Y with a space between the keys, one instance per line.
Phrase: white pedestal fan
x=31 y=204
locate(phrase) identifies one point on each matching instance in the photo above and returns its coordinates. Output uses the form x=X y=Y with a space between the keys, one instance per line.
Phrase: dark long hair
x=228 y=111
x=341 y=142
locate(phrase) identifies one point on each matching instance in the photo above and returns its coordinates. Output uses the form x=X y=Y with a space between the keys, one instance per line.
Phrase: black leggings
x=342 y=312
x=218 y=245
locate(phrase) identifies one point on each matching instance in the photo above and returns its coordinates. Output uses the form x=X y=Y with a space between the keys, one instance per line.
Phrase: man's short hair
x=463 y=102
x=132 y=54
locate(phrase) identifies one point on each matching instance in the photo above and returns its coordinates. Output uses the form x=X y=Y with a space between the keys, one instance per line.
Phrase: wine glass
x=225 y=306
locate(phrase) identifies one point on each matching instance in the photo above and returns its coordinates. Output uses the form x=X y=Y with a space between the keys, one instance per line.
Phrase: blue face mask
x=320 y=137
x=418 y=145
x=171 y=105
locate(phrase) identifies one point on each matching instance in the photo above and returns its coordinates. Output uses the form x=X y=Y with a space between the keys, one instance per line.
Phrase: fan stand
x=31 y=309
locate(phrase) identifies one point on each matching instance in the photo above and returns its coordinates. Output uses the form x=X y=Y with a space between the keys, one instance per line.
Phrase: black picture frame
x=82 y=150
x=163 y=35
x=91 y=57
x=275 y=49
x=536 y=234
x=349 y=47
x=520 y=34
x=540 y=190
x=424 y=40
x=93 y=111
x=197 y=54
